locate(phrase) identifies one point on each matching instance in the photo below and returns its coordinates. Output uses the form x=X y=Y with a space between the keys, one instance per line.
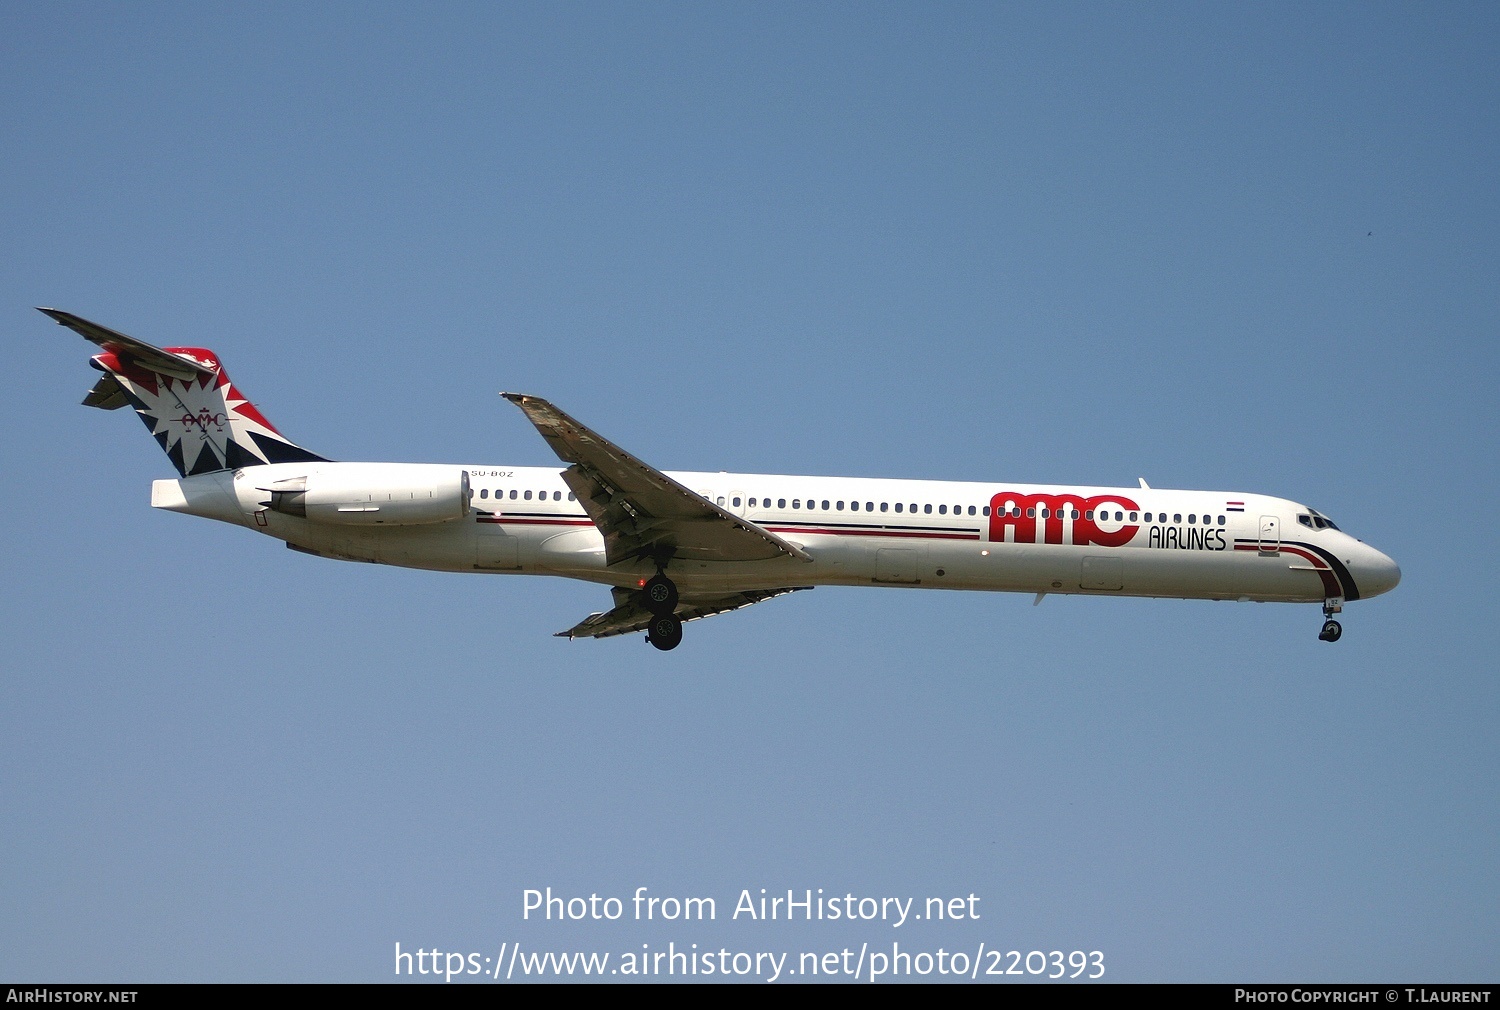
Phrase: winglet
x=1144 y=485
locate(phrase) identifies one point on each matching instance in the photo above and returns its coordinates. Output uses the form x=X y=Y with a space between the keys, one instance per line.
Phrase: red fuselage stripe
x=1330 y=581
x=873 y=533
x=504 y=520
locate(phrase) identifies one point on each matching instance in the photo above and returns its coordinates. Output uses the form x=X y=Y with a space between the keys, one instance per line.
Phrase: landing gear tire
x=660 y=595
x=1331 y=631
x=665 y=632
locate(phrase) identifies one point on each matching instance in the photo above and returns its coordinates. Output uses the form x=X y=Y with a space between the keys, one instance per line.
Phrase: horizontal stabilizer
x=185 y=399
x=107 y=394
x=153 y=358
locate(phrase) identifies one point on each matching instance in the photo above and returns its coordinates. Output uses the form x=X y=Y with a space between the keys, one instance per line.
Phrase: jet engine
x=374 y=494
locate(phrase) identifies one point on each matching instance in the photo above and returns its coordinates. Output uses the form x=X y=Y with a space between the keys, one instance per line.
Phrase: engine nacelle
x=374 y=494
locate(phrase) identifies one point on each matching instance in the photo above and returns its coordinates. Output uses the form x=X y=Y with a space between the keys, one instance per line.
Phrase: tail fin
x=188 y=403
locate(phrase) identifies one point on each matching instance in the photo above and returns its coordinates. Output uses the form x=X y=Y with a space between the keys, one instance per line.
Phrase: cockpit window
x=1316 y=521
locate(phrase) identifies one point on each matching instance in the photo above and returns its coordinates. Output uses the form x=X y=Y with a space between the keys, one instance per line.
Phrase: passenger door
x=1270 y=535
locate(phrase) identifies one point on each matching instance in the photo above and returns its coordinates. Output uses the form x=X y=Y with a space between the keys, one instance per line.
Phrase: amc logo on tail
x=1021 y=513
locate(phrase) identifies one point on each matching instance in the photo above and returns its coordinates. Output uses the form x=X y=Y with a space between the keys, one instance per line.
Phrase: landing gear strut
x=1331 y=629
x=659 y=596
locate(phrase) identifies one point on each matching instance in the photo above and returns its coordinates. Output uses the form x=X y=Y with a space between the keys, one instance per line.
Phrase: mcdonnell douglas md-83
x=674 y=547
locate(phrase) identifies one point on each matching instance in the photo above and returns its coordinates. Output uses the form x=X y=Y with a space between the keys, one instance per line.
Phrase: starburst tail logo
x=202 y=423
x=203 y=420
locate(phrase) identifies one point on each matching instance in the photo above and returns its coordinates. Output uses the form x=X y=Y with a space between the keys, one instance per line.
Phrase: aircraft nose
x=1376 y=573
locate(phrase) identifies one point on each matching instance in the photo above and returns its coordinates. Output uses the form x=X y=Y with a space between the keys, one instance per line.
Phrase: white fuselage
x=858 y=532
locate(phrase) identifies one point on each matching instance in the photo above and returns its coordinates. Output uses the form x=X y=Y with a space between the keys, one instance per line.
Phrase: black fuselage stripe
x=1351 y=591
x=1340 y=571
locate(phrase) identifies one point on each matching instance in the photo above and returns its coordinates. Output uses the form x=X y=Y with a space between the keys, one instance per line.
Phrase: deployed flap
x=154 y=358
x=641 y=511
x=629 y=616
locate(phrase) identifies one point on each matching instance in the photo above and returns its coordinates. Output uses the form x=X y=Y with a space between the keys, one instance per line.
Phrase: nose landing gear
x=659 y=596
x=1331 y=629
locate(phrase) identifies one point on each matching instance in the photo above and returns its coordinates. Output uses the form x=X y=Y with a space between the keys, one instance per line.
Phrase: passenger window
x=825 y=504
x=528 y=496
x=1221 y=520
x=1132 y=516
x=736 y=503
x=883 y=506
x=839 y=505
x=986 y=510
x=512 y=494
x=1031 y=513
x=781 y=503
x=1177 y=518
x=796 y=503
x=1074 y=514
x=484 y=492
x=1193 y=519
x=942 y=510
x=572 y=496
x=898 y=506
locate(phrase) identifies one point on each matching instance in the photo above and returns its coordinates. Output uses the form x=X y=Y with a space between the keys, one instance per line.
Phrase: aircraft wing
x=641 y=511
x=153 y=358
x=629 y=616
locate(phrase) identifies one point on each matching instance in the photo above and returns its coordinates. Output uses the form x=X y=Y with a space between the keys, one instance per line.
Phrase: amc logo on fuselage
x=1021 y=514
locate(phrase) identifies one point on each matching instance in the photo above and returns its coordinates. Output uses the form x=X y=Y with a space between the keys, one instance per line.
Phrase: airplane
x=676 y=547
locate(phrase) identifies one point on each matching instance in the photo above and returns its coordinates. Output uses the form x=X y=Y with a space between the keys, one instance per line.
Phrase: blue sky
x=1243 y=249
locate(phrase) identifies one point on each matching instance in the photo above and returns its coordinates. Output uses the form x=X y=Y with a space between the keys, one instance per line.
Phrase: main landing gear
x=1331 y=629
x=659 y=595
